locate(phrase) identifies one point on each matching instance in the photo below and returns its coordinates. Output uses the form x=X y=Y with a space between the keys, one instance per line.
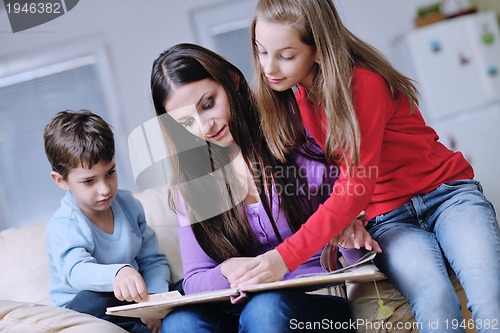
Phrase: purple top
x=201 y=273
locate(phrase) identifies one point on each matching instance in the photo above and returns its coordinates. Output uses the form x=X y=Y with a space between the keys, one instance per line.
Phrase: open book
x=159 y=305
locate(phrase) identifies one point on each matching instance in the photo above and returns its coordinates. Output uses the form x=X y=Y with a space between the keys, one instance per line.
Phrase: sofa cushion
x=19 y=317
x=163 y=221
x=363 y=301
x=25 y=274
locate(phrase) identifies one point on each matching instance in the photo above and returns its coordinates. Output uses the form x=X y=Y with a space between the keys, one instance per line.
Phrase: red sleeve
x=373 y=104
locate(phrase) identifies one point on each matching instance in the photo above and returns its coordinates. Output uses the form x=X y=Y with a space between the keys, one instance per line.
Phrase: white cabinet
x=456 y=65
x=477 y=136
x=455 y=62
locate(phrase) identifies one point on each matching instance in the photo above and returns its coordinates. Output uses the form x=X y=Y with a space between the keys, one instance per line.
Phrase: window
x=32 y=90
x=224 y=29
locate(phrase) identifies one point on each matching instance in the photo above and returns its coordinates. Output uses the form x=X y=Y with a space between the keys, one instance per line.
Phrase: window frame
x=12 y=68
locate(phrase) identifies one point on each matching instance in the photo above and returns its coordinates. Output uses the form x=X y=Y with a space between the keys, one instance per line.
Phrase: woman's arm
x=201 y=273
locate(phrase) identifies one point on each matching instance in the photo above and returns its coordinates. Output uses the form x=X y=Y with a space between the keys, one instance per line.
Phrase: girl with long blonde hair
x=424 y=207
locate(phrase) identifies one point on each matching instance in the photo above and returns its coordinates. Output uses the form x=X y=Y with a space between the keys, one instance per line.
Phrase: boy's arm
x=69 y=245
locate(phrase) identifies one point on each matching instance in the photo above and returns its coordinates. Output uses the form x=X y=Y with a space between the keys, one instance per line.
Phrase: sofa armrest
x=20 y=317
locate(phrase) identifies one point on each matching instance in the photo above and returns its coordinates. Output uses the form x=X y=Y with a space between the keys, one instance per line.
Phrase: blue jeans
x=266 y=312
x=95 y=304
x=453 y=227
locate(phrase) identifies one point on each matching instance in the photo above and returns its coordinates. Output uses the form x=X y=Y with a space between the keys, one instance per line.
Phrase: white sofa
x=24 y=279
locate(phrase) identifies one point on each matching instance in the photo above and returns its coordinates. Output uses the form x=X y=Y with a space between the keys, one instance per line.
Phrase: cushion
x=19 y=317
x=25 y=274
x=364 y=307
x=163 y=221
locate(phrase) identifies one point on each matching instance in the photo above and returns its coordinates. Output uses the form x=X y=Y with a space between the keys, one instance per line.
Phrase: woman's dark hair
x=227 y=234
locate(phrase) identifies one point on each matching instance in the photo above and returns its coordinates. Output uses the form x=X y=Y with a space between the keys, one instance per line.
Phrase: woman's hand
x=267 y=267
x=230 y=265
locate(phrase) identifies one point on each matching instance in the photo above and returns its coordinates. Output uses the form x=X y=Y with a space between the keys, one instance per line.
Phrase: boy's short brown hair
x=77 y=138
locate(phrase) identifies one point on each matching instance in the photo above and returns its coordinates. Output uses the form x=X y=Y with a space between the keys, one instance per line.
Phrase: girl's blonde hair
x=338 y=51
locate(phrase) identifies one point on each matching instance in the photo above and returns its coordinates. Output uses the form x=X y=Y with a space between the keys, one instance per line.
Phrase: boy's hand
x=153 y=324
x=129 y=285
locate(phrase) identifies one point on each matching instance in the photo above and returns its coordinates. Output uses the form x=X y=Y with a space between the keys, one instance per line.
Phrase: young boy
x=101 y=251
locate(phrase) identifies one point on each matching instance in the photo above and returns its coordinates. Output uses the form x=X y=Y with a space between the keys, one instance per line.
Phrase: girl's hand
x=129 y=285
x=153 y=324
x=356 y=236
x=267 y=267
